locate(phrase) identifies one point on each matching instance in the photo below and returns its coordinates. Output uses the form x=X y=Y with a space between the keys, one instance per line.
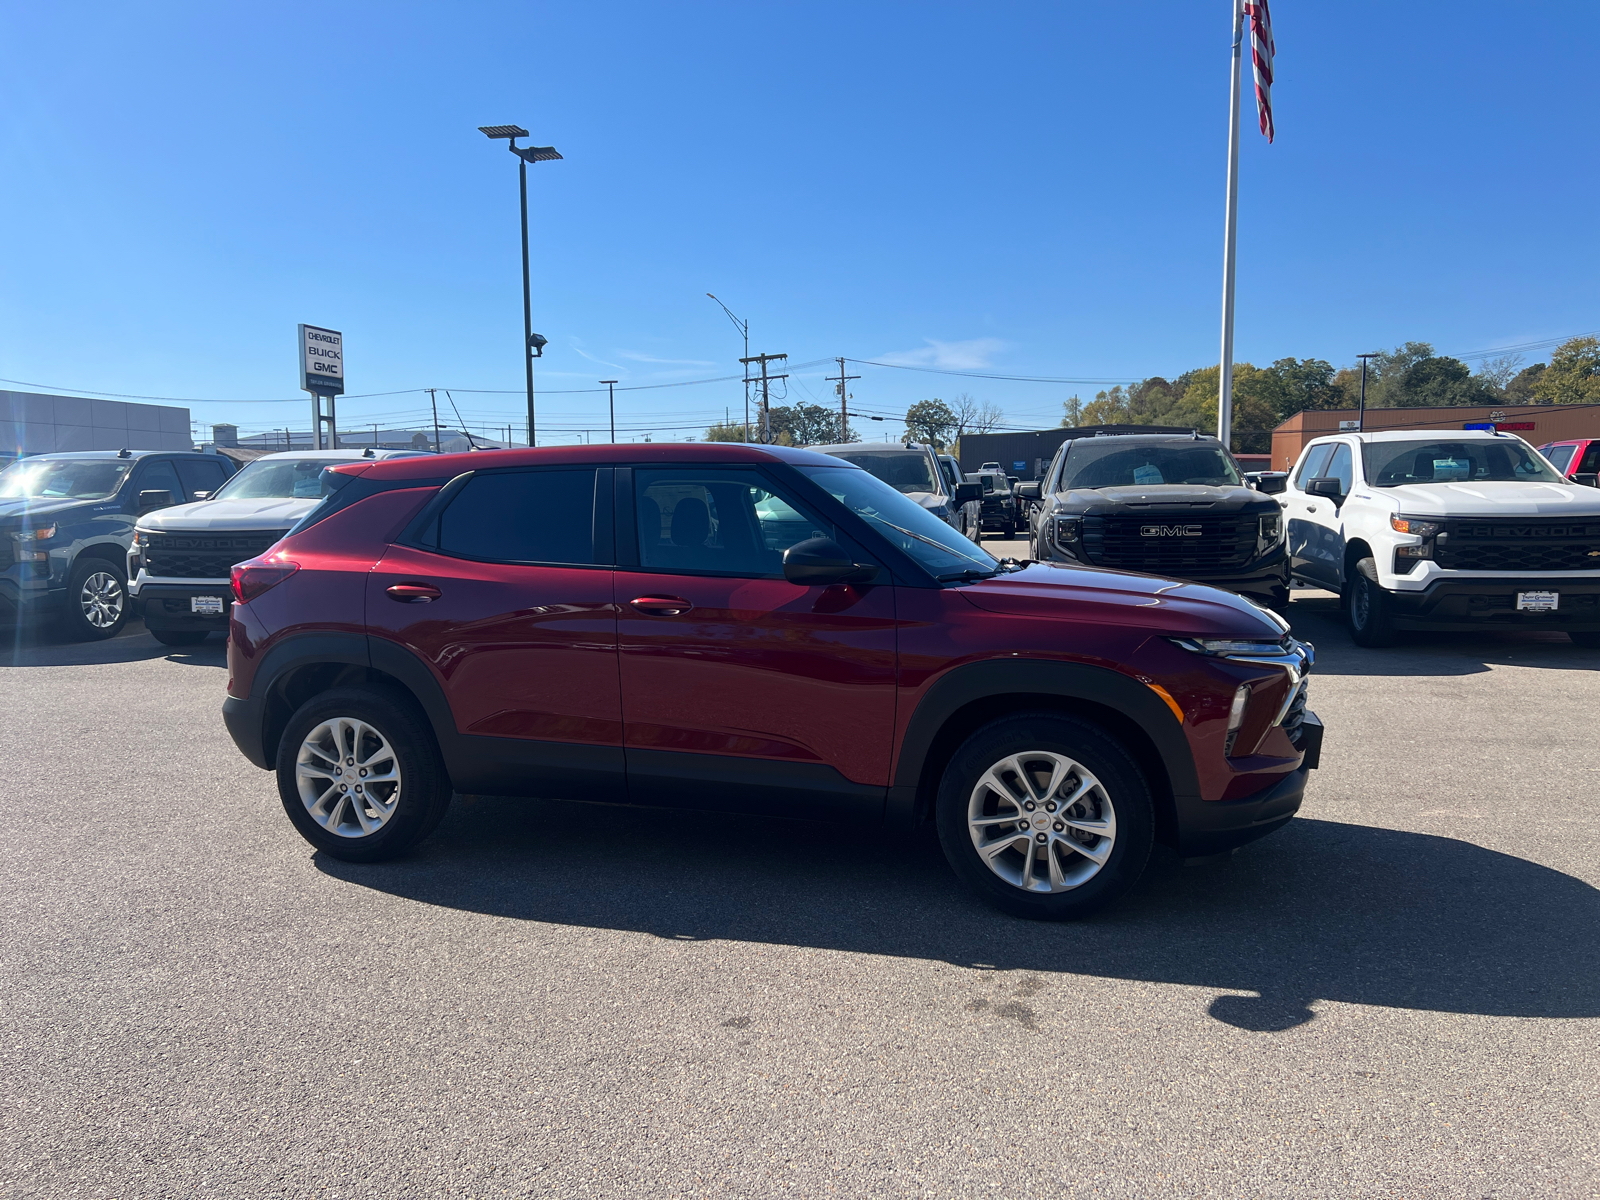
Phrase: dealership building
x=1535 y=423
x=34 y=423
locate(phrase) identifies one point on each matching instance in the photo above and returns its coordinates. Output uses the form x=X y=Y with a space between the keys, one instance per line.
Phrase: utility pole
x=611 y=389
x=374 y=435
x=1230 y=242
x=434 y=399
x=844 y=401
x=766 y=391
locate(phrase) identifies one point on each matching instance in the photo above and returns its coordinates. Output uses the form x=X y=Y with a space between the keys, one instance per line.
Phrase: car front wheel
x=1367 y=607
x=96 y=603
x=1045 y=816
x=360 y=774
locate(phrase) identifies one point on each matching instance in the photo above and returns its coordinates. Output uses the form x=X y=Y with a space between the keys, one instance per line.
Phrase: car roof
x=873 y=448
x=1101 y=438
x=117 y=455
x=432 y=466
x=1411 y=435
x=344 y=455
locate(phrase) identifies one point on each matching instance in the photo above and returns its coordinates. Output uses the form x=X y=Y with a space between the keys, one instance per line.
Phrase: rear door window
x=537 y=516
x=198 y=475
x=1590 y=460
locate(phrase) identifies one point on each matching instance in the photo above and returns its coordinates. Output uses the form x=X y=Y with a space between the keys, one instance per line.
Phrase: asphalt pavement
x=1397 y=995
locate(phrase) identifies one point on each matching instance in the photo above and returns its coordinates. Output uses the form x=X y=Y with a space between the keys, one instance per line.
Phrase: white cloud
x=969 y=355
x=668 y=362
x=610 y=366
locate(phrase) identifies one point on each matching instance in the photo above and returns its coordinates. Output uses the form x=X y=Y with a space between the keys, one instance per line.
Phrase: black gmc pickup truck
x=1171 y=503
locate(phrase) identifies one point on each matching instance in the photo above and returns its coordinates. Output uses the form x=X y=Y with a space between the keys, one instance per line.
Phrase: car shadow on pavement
x=40 y=646
x=1320 y=911
x=1317 y=618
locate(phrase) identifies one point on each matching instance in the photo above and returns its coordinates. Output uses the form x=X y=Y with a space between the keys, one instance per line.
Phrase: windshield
x=943 y=551
x=1092 y=463
x=74 y=478
x=904 y=470
x=280 y=479
x=1508 y=460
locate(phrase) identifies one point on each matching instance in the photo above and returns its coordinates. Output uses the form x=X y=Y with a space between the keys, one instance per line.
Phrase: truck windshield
x=944 y=552
x=71 y=478
x=905 y=471
x=1508 y=460
x=280 y=479
x=1109 y=464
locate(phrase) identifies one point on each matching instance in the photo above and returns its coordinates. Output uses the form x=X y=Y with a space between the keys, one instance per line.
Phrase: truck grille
x=1178 y=544
x=1531 y=545
x=205 y=555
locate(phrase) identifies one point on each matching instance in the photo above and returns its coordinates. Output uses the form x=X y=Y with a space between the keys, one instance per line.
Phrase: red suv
x=751 y=629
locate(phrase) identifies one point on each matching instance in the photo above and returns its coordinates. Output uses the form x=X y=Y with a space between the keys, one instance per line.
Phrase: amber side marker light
x=1167 y=697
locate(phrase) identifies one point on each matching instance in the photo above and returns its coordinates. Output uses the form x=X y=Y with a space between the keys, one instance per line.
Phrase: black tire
x=1011 y=529
x=179 y=637
x=1367 y=608
x=1587 y=638
x=1121 y=789
x=418 y=800
x=96 y=604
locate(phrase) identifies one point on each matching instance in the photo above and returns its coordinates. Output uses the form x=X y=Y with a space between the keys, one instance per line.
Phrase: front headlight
x=1422 y=529
x=141 y=539
x=1271 y=530
x=39 y=533
x=1229 y=647
x=1065 y=534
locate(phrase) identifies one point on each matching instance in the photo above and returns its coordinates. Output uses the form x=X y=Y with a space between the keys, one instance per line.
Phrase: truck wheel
x=179 y=637
x=1045 y=816
x=96 y=603
x=1011 y=529
x=360 y=774
x=1367 y=607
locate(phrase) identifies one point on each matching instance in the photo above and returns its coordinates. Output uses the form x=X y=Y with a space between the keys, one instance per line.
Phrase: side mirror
x=1031 y=489
x=1587 y=479
x=823 y=561
x=154 y=498
x=1270 y=483
x=202 y=495
x=1326 y=487
x=966 y=493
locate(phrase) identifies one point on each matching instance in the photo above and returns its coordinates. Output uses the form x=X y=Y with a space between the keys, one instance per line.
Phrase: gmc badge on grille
x=1169 y=531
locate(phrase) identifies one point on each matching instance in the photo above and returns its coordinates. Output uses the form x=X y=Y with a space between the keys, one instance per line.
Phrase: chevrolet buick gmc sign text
x=322 y=360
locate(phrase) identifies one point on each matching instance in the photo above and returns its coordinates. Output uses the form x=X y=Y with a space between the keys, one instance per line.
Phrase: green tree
x=729 y=431
x=931 y=421
x=1437 y=381
x=1072 y=413
x=1386 y=374
x=806 y=425
x=1573 y=376
x=1520 y=388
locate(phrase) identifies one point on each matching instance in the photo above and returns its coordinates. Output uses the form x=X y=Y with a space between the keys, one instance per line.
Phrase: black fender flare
x=247 y=717
x=1003 y=679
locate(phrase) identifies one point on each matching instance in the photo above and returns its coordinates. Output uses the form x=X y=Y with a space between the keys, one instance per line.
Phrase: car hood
x=1195 y=498
x=1095 y=594
x=1485 y=499
x=228 y=514
x=35 y=507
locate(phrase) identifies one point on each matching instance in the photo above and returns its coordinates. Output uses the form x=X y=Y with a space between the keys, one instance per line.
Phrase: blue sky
x=1023 y=189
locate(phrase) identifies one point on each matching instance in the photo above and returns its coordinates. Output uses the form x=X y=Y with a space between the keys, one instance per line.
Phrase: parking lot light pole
x=525 y=155
x=611 y=387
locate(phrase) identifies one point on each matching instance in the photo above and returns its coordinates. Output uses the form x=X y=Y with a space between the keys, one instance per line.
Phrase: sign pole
x=322 y=374
x=1230 y=240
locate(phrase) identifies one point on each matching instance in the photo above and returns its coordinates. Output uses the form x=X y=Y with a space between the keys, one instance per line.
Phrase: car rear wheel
x=360 y=774
x=1367 y=607
x=96 y=602
x=1045 y=816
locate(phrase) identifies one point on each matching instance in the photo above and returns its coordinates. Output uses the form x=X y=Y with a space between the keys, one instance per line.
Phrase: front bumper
x=1468 y=604
x=167 y=605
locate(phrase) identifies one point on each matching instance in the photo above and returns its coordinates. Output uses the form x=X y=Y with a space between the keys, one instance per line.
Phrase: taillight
x=251 y=578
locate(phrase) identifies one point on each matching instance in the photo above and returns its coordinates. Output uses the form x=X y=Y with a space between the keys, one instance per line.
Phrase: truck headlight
x=1271 y=531
x=1421 y=529
x=39 y=533
x=1065 y=534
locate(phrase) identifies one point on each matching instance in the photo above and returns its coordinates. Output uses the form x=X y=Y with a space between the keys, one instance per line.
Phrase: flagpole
x=1230 y=239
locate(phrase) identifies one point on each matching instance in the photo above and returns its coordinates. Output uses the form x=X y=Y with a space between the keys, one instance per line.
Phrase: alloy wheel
x=101 y=599
x=348 y=777
x=1041 y=821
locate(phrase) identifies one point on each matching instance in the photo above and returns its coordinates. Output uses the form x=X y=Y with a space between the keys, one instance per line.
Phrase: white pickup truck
x=181 y=557
x=1455 y=530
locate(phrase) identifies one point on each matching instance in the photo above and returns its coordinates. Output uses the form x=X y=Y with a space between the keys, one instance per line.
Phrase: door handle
x=412 y=593
x=662 y=606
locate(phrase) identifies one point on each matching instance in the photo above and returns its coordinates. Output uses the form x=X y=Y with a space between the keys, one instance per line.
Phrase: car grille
x=204 y=555
x=1206 y=543
x=1531 y=545
x=1296 y=716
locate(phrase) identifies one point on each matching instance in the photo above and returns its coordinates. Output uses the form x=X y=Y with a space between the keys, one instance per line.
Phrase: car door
x=156 y=475
x=506 y=598
x=1300 y=509
x=1323 y=546
x=742 y=691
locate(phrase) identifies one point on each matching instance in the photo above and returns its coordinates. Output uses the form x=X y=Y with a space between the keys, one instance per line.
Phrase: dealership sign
x=322 y=360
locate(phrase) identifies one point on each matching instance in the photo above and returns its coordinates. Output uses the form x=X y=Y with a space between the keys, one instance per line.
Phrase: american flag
x=1261 y=51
